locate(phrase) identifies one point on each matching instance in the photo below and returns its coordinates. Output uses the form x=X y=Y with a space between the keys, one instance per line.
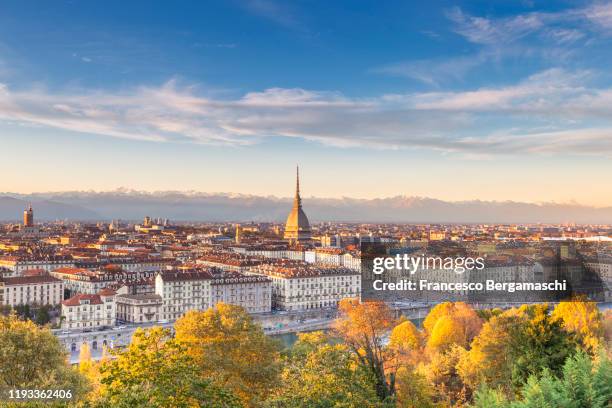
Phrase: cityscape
x=305 y=204
x=95 y=284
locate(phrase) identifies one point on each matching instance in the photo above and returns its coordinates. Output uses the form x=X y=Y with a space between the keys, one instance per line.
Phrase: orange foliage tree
x=364 y=327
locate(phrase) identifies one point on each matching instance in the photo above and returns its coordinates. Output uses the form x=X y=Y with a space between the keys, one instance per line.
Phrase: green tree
x=583 y=384
x=515 y=345
x=490 y=398
x=155 y=371
x=42 y=315
x=322 y=375
x=229 y=347
x=539 y=343
x=31 y=357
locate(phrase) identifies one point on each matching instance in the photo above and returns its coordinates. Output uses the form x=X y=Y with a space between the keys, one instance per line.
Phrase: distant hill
x=11 y=209
x=133 y=205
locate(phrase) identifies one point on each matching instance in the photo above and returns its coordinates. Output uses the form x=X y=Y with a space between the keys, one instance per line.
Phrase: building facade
x=31 y=290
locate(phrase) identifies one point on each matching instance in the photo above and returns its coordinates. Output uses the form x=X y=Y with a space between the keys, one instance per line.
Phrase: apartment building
x=87 y=311
x=31 y=290
x=299 y=286
x=144 y=308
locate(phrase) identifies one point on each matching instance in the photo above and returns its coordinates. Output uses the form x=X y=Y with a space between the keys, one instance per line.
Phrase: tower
x=297 y=227
x=238 y=234
x=28 y=217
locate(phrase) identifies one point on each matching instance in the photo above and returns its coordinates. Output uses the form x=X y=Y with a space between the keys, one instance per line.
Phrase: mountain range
x=196 y=206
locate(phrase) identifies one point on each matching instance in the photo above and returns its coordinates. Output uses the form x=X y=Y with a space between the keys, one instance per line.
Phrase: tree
x=607 y=328
x=90 y=369
x=446 y=332
x=583 y=384
x=228 y=346
x=42 y=315
x=515 y=345
x=413 y=390
x=406 y=344
x=363 y=327
x=406 y=336
x=33 y=358
x=490 y=398
x=155 y=371
x=538 y=343
x=451 y=323
x=583 y=318
x=441 y=372
x=488 y=360
x=323 y=375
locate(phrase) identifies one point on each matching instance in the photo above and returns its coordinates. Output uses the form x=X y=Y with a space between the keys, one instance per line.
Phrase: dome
x=297 y=227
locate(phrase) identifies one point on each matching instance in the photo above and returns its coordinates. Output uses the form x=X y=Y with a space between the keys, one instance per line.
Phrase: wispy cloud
x=495 y=31
x=553 y=112
x=433 y=72
x=550 y=38
x=279 y=12
x=601 y=14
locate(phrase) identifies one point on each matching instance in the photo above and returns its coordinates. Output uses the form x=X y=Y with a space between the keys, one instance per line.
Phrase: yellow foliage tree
x=487 y=360
x=31 y=357
x=441 y=373
x=583 y=318
x=446 y=332
x=228 y=346
x=90 y=370
x=155 y=371
x=413 y=390
x=466 y=321
x=406 y=336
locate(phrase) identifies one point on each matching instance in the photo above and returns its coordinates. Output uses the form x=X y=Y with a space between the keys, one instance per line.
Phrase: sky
x=458 y=101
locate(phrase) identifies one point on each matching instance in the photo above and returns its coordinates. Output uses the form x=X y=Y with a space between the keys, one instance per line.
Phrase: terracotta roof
x=26 y=280
x=107 y=292
x=77 y=299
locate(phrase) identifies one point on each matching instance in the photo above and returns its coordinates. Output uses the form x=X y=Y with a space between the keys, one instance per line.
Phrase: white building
x=86 y=311
x=253 y=293
x=183 y=291
x=200 y=290
x=138 y=308
x=301 y=286
x=31 y=290
x=18 y=265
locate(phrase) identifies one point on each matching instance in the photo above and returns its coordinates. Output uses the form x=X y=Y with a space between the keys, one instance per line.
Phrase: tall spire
x=298 y=200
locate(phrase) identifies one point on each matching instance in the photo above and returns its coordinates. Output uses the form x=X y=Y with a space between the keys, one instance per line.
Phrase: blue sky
x=477 y=100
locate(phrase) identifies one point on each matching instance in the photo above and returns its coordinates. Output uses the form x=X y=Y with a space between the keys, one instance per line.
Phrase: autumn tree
x=406 y=337
x=515 y=345
x=442 y=373
x=446 y=332
x=320 y=374
x=451 y=323
x=488 y=360
x=413 y=390
x=156 y=372
x=228 y=346
x=607 y=328
x=31 y=357
x=363 y=327
x=583 y=318
x=405 y=346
